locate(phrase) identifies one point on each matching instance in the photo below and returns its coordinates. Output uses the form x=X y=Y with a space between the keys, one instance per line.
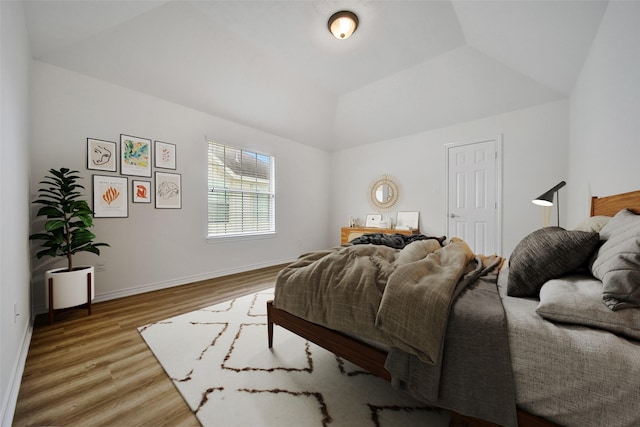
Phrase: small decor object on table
x=373 y=220
x=110 y=199
x=168 y=190
x=66 y=232
x=135 y=156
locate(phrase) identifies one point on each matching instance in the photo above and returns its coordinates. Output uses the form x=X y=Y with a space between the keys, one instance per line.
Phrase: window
x=241 y=198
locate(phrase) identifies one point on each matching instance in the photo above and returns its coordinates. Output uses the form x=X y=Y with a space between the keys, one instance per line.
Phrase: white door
x=473 y=194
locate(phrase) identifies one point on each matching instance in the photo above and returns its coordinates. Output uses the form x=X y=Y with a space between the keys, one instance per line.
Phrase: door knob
x=453 y=215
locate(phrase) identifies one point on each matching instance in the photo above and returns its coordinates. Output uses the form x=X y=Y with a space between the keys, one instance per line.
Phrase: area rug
x=219 y=360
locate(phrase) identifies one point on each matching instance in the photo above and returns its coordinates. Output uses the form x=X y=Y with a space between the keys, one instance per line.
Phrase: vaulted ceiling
x=411 y=66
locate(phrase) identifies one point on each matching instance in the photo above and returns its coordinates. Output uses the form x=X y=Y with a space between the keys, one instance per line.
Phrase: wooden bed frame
x=372 y=358
x=611 y=205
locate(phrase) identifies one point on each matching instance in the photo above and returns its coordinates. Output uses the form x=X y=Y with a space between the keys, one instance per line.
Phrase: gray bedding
x=475 y=378
x=402 y=299
x=570 y=374
x=398 y=297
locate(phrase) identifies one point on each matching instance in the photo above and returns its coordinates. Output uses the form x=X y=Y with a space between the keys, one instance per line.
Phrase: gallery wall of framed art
x=137 y=158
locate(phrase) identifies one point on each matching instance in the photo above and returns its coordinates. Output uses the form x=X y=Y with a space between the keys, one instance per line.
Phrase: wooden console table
x=347 y=234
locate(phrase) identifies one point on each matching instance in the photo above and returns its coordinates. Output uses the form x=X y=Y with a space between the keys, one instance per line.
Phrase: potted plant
x=66 y=232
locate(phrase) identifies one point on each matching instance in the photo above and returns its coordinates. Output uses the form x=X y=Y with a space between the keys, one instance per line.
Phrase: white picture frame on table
x=373 y=220
x=407 y=220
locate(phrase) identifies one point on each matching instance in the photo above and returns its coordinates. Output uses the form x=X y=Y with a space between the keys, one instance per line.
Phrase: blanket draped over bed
x=402 y=298
x=475 y=377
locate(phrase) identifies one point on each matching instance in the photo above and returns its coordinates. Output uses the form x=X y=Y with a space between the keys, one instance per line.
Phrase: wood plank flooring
x=97 y=371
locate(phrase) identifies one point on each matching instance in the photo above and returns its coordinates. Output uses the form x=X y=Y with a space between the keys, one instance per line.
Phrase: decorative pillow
x=594 y=223
x=617 y=262
x=578 y=300
x=546 y=254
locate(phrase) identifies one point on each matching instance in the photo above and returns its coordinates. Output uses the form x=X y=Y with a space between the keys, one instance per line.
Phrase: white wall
x=155 y=248
x=15 y=331
x=591 y=141
x=605 y=112
x=534 y=159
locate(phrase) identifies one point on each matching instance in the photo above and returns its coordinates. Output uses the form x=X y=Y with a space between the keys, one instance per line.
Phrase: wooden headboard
x=611 y=205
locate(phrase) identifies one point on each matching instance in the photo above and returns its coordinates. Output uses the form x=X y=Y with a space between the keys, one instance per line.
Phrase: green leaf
x=50 y=212
x=39 y=236
x=54 y=225
x=93 y=249
x=81 y=237
x=47 y=252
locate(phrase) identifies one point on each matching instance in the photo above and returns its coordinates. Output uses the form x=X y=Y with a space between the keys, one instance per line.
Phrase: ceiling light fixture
x=342 y=24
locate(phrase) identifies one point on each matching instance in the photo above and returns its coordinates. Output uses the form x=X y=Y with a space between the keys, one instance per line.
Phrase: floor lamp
x=546 y=199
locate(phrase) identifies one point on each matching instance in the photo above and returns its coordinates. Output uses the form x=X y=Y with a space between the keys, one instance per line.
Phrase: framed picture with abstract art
x=141 y=191
x=110 y=198
x=168 y=194
x=135 y=156
x=165 y=155
x=101 y=155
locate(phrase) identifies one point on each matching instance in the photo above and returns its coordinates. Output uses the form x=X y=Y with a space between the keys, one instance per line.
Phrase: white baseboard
x=107 y=296
x=9 y=403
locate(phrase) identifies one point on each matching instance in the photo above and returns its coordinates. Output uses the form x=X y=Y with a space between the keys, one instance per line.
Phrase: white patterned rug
x=219 y=360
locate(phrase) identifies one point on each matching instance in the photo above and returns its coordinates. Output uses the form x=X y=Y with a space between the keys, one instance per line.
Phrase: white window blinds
x=241 y=199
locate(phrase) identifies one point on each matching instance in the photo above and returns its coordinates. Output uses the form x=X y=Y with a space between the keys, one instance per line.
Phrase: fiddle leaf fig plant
x=69 y=217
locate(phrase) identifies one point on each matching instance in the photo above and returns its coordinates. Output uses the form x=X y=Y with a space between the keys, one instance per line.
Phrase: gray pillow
x=546 y=254
x=617 y=262
x=578 y=300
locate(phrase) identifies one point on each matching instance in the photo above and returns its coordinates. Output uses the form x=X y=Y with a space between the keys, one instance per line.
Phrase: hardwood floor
x=96 y=370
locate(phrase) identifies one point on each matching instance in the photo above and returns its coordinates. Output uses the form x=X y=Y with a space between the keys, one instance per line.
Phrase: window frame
x=230 y=194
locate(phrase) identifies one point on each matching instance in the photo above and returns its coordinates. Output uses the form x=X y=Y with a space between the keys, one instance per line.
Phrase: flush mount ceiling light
x=342 y=24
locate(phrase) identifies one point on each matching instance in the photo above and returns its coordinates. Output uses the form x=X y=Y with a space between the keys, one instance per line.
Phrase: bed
x=572 y=339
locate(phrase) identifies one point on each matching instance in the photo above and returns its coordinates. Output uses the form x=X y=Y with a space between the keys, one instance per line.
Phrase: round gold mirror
x=384 y=192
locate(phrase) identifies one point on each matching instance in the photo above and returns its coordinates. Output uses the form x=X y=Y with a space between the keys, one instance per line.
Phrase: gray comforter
x=402 y=299
x=396 y=297
x=475 y=377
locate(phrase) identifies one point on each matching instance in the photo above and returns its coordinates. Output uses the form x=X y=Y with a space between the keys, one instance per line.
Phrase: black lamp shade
x=546 y=199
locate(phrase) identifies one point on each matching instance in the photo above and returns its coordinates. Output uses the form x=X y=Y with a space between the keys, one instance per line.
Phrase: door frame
x=497 y=140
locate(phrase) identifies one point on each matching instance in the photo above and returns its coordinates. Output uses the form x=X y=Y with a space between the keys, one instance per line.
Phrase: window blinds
x=241 y=197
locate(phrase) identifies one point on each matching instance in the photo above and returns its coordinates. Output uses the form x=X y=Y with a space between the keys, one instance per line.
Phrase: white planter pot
x=69 y=287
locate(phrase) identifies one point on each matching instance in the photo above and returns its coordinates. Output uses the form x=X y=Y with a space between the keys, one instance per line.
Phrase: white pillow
x=594 y=223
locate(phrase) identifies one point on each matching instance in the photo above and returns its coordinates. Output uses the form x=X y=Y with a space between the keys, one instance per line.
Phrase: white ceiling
x=411 y=66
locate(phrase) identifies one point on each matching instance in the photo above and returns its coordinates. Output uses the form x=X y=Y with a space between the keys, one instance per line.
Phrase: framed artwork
x=373 y=220
x=110 y=198
x=165 y=155
x=101 y=155
x=135 y=156
x=141 y=191
x=407 y=220
x=168 y=194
